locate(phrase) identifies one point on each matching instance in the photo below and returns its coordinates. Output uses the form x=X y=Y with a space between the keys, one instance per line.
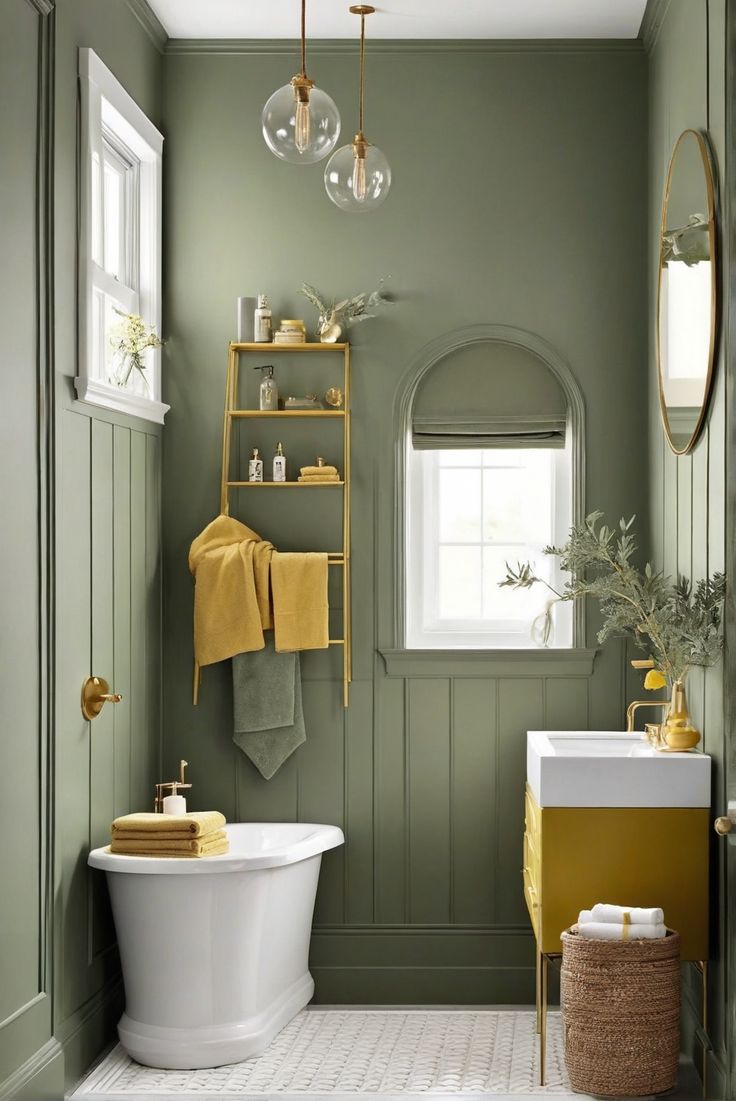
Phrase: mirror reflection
x=687 y=292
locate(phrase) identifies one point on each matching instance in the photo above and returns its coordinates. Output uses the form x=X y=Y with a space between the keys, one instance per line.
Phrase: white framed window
x=468 y=512
x=120 y=241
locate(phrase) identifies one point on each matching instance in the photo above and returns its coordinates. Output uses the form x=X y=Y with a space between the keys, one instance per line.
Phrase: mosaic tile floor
x=348 y=1054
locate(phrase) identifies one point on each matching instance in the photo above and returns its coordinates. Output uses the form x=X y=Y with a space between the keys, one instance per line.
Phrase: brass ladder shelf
x=232 y=413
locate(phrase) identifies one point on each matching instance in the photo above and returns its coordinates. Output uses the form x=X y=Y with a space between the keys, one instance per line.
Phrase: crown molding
x=43 y=7
x=284 y=46
x=651 y=24
x=150 y=22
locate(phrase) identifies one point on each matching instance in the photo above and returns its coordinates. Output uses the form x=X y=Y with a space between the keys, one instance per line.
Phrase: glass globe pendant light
x=358 y=176
x=300 y=123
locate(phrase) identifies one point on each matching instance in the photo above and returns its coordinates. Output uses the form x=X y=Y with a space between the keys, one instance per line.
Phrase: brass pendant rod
x=362 y=72
x=304 y=37
x=362 y=10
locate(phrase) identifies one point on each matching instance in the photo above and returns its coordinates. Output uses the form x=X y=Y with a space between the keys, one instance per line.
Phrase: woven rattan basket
x=621 y=1014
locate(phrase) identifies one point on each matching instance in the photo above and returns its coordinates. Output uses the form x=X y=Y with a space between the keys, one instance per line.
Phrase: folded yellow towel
x=186 y=846
x=230 y=564
x=203 y=849
x=196 y=824
x=319 y=478
x=300 y=609
x=318 y=469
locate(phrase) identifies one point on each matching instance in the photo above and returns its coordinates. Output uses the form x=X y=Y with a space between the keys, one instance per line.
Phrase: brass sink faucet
x=653 y=731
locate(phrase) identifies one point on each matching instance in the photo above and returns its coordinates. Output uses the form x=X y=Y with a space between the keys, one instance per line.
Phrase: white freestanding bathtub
x=215 y=951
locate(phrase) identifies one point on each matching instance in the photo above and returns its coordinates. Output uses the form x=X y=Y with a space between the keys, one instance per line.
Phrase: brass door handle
x=95 y=694
x=722 y=826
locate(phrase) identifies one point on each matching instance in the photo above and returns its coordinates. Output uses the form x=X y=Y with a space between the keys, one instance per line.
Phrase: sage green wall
x=519 y=198
x=687 y=89
x=98 y=556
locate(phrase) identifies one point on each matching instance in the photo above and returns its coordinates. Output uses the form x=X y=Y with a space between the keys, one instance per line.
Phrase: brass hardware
x=654 y=736
x=333 y=397
x=172 y=787
x=722 y=826
x=642 y=663
x=634 y=706
x=95 y=694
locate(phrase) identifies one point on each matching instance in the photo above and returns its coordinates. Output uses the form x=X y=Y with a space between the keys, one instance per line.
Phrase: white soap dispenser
x=175 y=804
x=279 y=464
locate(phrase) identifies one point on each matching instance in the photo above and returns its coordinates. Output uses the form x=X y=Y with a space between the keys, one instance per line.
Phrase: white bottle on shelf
x=279 y=464
x=255 y=467
x=262 y=321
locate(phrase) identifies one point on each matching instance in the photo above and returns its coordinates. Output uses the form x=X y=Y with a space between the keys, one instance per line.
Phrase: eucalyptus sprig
x=348 y=310
x=680 y=625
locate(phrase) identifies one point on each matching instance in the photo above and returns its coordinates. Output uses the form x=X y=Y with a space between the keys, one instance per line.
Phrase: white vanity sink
x=571 y=768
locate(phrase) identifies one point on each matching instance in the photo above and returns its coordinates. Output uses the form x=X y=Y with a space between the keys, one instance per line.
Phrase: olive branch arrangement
x=678 y=623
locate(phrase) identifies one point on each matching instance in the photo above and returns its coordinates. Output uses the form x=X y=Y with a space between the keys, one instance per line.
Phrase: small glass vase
x=678 y=730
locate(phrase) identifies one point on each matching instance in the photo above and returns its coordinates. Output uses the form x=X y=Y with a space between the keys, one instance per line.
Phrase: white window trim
x=103 y=95
x=421 y=525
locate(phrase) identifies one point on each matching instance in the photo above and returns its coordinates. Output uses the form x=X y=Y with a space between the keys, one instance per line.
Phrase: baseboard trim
x=87 y=1031
x=423 y=985
x=20 y=1085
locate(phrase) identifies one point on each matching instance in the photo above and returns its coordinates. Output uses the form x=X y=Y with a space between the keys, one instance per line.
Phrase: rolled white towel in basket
x=607 y=930
x=617 y=915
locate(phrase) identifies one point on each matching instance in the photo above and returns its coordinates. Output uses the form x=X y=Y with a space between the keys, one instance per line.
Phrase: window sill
x=489 y=663
x=94 y=392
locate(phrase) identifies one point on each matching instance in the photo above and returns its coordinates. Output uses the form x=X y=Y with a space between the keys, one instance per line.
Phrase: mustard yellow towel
x=300 y=610
x=215 y=848
x=196 y=846
x=318 y=478
x=318 y=470
x=196 y=824
x=230 y=564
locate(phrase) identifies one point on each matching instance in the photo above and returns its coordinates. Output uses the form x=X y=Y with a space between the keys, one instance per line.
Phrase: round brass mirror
x=687 y=292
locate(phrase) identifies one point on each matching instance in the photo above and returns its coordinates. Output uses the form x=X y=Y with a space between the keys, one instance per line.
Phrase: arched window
x=493 y=438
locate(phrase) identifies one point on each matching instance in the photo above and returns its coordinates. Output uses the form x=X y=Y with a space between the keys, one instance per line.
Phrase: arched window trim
x=422 y=363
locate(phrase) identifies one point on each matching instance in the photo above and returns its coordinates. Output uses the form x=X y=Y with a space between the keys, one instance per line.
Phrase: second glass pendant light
x=358 y=176
x=300 y=123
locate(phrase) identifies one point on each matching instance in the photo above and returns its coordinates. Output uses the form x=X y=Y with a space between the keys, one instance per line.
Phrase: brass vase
x=678 y=730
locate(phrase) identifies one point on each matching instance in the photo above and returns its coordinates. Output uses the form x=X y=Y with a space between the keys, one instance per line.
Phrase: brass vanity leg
x=538 y=988
x=543 y=1022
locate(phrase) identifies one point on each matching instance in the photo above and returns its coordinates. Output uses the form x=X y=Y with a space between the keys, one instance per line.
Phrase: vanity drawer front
x=533 y=818
x=532 y=902
x=532 y=863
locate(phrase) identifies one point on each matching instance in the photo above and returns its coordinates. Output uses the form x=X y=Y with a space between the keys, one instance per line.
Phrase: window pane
x=517 y=501
x=114 y=226
x=459 y=506
x=518 y=605
x=459 y=582
x=460 y=457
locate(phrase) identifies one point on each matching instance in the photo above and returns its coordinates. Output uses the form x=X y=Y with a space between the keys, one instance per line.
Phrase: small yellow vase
x=678 y=730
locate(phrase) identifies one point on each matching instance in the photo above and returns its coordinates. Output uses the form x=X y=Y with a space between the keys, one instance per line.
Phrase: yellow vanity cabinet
x=640 y=856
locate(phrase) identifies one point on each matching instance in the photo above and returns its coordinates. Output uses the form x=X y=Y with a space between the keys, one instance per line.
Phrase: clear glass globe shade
x=344 y=184
x=301 y=137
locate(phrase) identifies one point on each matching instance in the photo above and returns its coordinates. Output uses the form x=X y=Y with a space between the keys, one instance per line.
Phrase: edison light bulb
x=357 y=179
x=300 y=124
x=359 y=184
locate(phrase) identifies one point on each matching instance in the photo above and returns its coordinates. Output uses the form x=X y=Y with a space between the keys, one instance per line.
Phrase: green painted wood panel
x=688 y=495
x=473 y=801
x=428 y=794
x=390 y=802
x=123 y=640
x=359 y=787
x=21 y=747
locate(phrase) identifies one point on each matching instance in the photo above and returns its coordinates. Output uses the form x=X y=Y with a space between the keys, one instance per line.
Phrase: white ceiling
x=403 y=18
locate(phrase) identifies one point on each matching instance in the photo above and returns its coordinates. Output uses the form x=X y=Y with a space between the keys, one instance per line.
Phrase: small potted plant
x=678 y=623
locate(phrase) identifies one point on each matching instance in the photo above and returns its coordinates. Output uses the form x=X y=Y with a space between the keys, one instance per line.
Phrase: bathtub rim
x=319 y=839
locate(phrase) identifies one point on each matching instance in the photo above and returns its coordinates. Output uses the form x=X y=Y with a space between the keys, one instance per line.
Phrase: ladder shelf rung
x=255 y=414
x=298 y=485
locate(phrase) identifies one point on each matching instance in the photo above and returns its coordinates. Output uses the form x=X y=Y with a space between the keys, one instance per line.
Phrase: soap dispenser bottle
x=279 y=464
x=262 y=321
x=255 y=467
x=269 y=393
